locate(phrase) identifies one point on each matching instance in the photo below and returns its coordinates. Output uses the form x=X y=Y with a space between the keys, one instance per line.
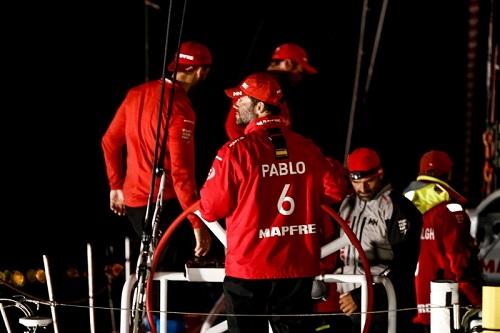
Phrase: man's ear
x=260 y=109
x=288 y=65
x=201 y=72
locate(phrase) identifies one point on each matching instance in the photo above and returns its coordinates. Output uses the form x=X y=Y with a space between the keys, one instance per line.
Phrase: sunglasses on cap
x=355 y=175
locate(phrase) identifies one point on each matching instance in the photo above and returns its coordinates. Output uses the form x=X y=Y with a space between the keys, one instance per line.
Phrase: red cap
x=363 y=162
x=295 y=53
x=437 y=161
x=192 y=54
x=262 y=86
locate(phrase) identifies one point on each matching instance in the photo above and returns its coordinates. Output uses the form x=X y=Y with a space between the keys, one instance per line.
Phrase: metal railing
x=217 y=275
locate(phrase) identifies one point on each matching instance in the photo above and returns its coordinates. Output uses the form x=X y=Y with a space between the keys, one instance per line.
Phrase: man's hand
x=347 y=304
x=117 y=202
x=203 y=241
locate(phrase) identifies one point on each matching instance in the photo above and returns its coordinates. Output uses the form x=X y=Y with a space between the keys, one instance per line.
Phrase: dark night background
x=67 y=66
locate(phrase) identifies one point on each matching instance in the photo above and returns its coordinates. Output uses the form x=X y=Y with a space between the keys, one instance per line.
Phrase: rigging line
x=376 y=43
x=147 y=4
x=159 y=163
x=356 y=79
x=207 y=314
x=172 y=88
x=146 y=42
x=159 y=151
x=149 y=234
x=41 y=300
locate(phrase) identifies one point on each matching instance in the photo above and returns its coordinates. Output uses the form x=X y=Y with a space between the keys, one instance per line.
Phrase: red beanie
x=362 y=162
x=437 y=161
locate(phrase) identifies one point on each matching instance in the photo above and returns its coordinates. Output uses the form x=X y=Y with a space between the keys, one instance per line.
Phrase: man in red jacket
x=134 y=126
x=269 y=185
x=447 y=250
x=292 y=59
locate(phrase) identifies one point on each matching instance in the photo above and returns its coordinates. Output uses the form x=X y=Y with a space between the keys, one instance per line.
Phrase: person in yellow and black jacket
x=447 y=250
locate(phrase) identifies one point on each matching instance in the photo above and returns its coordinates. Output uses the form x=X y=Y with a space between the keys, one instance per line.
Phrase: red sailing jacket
x=272 y=205
x=234 y=131
x=135 y=126
x=447 y=250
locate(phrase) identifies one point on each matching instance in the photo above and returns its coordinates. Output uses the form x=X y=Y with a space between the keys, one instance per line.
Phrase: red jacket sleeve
x=219 y=193
x=181 y=150
x=459 y=250
x=335 y=181
x=113 y=143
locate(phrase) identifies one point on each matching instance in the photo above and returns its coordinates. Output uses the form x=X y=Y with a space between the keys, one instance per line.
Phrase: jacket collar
x=429 y=192
x=452 y=192
x=264 y=123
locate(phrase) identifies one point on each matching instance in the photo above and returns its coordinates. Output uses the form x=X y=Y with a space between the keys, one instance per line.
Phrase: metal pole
x=91 y=288
x=375 y=45
x=444 y=293
x=127 y=257
x=356 y=80
x=5 y=319
x=51 y=294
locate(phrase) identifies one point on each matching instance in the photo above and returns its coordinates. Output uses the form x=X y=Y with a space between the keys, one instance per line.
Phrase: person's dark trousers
x=180 y=248
x=378 y=323
x=249 y=301
x=379 y=319
x=422 y=328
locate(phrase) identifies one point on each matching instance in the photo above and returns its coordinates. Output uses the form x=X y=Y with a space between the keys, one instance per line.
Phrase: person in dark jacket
x=388 y=227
